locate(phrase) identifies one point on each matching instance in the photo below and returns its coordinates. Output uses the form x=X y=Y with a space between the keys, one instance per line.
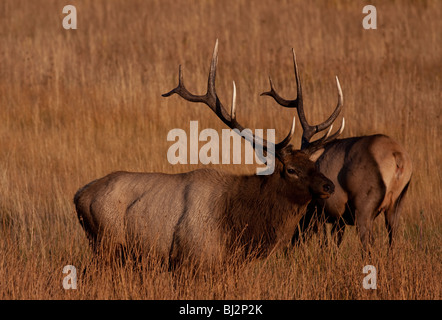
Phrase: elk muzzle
x=322 y=187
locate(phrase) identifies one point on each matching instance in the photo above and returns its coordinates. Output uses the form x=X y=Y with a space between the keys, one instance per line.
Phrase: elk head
x=295 y=175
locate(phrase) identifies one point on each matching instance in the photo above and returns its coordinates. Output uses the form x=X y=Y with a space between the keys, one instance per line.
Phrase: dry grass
x=76 y=105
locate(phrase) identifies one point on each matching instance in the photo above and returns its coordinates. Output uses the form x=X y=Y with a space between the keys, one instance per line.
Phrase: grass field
x=78 y=104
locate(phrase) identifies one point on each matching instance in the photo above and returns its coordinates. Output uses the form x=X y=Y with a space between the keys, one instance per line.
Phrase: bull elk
x=371 y=175
x=204 y=215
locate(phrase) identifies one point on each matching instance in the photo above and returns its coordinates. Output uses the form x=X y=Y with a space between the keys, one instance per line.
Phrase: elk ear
x=316 y=154
x=281 y=154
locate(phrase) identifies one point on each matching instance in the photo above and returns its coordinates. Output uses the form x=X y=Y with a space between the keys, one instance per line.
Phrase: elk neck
x=261 y=212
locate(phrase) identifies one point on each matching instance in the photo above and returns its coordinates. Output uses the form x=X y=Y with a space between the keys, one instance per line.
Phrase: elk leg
x=392 y=216
x=337 y=231
x=306 y=226
x=391 y=222
x=364 y=225
x=366 y=207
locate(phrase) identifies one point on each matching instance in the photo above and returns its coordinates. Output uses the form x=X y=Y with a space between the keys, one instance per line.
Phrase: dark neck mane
x=260 y=214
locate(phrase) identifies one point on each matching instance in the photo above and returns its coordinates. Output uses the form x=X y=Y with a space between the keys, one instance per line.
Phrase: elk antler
x=308 y=130
x=212 y=101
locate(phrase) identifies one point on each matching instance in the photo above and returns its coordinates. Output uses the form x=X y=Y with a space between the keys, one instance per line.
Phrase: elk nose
x=328 y=188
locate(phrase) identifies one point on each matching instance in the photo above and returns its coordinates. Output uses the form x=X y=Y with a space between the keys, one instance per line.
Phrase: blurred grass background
x=78 y=104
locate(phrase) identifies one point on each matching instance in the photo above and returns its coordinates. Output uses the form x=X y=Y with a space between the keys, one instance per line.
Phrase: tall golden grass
x=78 y=104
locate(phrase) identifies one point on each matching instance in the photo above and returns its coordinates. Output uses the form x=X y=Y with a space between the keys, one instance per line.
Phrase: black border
x=169 y=309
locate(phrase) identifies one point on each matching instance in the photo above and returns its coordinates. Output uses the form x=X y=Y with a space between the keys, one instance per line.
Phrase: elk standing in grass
x=204 y=215
x=371 y=175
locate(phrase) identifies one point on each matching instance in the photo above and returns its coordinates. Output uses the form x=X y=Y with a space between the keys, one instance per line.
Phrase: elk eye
x=291 y=171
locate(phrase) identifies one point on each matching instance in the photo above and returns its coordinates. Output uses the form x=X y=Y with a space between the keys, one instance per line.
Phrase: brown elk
x=204 y=215
x=371 y=175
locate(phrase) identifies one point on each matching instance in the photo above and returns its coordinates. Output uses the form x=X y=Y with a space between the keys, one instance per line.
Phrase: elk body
x=204 y=215
x=371 y=175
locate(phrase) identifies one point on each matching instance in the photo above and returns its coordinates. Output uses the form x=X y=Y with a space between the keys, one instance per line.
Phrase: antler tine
x=317 y=144
x=308 y=130
x=284 y=102
x=212 y=73
x=336 y=112
x=327 y=133
x=312 y=130
x=182 y=91
x=272 y=93
x=287 y=139
x=210 y=98
x=337 y=133
x=233 y=109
